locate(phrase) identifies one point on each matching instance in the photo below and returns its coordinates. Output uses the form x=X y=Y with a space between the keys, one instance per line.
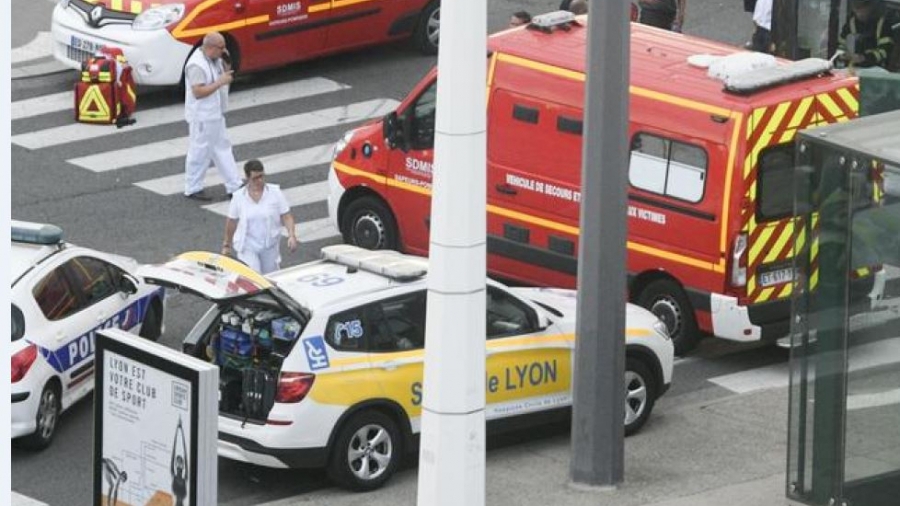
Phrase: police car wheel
x=640 y=394
x=369 y=224
x=667 y=301
x=49 y=408
x=428 y=29
x=151 y=328
x=366 y=452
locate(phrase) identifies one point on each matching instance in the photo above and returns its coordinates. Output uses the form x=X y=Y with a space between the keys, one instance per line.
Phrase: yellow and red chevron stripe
x=769 y=126
x=132 y=6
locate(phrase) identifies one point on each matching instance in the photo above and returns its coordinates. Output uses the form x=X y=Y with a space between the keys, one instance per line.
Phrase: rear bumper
x=245 y=450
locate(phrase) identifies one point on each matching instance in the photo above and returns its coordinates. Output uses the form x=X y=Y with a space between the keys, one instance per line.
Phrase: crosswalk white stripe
x=242 y=134
x=274 y=164
x=174 y=113
x=42 y=105
x=314 y=230
x=296 y=196
x=39 y=69
x=22 y=500
x=40 y=46
x=862 y=357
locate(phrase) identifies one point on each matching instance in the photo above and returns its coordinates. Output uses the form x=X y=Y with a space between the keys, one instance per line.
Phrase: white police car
x=61 y=294
x=321 y=364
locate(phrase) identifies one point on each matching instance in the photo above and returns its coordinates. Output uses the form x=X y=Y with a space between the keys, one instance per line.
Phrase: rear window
x=775 y=185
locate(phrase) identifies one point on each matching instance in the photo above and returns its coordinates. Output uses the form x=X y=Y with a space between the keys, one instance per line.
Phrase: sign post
x=155 y=424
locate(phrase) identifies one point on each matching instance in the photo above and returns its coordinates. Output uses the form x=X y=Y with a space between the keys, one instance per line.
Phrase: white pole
x=452 y=452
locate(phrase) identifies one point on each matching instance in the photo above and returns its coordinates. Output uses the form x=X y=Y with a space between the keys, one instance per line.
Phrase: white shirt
x=201 y=70
x=762 y=14
x=259 y=223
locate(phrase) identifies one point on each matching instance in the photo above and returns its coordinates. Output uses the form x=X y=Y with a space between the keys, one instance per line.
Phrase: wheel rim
x=669 y=312
x=433 y=27
x=369 y=231
x=370 y=452
x=635 y=396
x=46 y=417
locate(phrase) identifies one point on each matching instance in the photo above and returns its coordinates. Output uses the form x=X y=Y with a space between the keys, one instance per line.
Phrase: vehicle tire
x=368 y=223
x=667 y=301
x=49 y=408
x=640 y=394
x=366 y=452
x=428 y=29
x=152 y=327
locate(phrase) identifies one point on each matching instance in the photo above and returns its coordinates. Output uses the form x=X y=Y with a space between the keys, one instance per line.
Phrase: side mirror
x=389 y=128
x=128 y=284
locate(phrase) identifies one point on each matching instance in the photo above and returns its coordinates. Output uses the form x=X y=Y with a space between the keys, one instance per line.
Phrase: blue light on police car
x=35 y=233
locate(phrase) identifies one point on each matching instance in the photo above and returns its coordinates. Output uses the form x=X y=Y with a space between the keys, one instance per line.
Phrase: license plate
x=776 y=277
x=84 y=45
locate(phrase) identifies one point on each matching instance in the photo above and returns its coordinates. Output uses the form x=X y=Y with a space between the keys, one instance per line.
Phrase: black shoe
x=200 y=195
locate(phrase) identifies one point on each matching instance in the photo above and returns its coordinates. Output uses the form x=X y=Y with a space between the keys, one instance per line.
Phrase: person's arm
x=230 y=227
x=196 y=76
x=288 y=221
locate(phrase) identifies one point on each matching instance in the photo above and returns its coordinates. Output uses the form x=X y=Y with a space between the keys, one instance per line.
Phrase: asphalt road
x=106 y=209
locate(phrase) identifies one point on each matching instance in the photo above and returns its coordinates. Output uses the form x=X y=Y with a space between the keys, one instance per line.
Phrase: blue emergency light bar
x=35 y=233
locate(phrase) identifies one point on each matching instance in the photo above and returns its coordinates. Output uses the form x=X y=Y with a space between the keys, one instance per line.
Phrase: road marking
x=862 y=357
x=873 y=399
x=41 y=46
x=42 y=105
x=274 y=164
x=313 y=230
x=163 y=115
x=241 y=134
x=296 y=196
x=23 y=500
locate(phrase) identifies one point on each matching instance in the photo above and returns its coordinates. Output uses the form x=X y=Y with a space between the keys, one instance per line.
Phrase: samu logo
x=316 y=354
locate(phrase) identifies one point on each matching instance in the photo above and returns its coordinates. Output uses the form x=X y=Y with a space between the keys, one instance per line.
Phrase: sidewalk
x=725 y=452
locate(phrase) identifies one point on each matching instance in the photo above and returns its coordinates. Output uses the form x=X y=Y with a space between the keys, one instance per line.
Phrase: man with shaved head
x=206 y=80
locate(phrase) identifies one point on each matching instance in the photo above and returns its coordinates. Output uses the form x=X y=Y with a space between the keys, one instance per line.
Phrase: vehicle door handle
x=506 y=189
x=390 y=365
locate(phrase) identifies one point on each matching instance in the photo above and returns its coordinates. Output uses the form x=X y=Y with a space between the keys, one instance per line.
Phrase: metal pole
x=452 y=452
x=598 y=402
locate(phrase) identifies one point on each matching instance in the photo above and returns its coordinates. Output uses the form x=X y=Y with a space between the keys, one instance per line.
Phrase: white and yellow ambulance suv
x=321 y=364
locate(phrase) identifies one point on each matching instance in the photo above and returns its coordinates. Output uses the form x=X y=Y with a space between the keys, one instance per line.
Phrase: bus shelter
x=844 y=414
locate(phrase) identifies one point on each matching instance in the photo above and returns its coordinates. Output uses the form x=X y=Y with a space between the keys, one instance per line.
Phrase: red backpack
x=106 y=93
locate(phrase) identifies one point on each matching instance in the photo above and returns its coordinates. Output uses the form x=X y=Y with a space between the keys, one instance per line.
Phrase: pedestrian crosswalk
x=113 y=151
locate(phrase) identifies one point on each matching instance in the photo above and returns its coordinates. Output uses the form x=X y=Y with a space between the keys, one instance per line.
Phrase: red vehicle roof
x=658 y=63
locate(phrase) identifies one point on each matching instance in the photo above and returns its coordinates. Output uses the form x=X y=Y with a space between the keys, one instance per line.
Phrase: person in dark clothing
x=667 y=14
x=519 y=18
x=870 y=25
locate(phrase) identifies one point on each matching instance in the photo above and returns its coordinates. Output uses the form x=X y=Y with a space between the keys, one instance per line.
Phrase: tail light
x=293 y=386
x=21 y=362
x=739 y=261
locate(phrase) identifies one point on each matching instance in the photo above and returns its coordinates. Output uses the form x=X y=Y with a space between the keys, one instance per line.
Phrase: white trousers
x=264 y=261
x=208 y=143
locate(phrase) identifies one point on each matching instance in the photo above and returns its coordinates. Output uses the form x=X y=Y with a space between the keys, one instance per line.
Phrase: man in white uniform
x=256 y=216
x=205 y=102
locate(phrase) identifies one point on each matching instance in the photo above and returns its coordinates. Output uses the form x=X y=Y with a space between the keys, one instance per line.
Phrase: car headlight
x=158 y=17
x=660 y=327
x=341 y=144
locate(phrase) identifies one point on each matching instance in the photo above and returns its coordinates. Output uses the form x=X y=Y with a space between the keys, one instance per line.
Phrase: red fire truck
x=711 y=229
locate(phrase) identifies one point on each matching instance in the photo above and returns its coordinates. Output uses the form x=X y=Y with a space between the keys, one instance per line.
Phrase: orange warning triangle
x=93 y=106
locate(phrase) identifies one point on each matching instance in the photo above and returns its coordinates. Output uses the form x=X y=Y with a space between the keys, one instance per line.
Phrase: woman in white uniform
x=255 y=219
